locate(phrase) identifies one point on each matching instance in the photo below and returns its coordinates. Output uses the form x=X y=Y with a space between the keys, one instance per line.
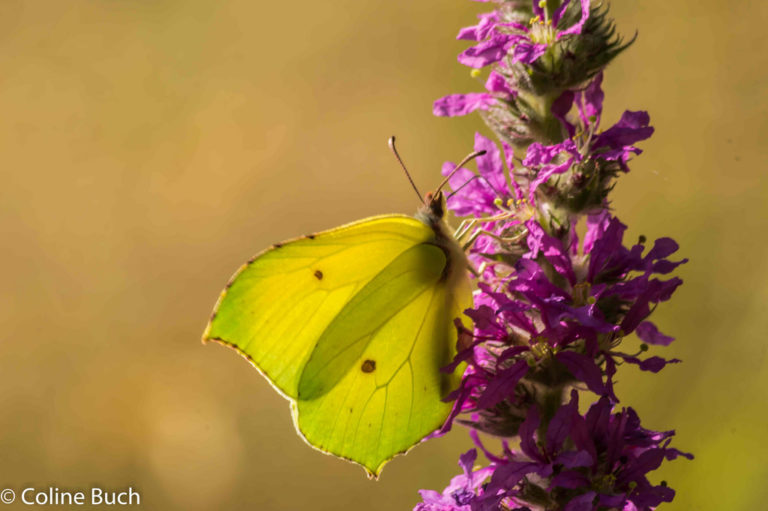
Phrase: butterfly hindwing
x=391 y=397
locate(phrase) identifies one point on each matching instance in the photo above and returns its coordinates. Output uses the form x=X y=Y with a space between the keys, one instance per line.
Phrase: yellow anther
x=607 y=481
x=542 y=3
x=475 y=73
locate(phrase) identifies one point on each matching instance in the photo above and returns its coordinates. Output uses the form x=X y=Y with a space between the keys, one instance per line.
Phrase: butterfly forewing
x=277 y=306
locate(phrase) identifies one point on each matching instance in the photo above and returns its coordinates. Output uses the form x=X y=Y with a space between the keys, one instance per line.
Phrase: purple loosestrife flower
x=599 y=459
x=483 y=195
x=462 y=491
x=551 y=311
x=588 y=159
x=511 y=40
x=533 y=51
x=519 y=42
x=567 y=308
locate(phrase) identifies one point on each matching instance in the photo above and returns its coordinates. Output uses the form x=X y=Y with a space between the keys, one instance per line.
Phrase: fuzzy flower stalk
x=559 y=287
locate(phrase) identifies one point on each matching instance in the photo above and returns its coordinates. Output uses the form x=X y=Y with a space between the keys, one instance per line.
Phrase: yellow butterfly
x=353 y=325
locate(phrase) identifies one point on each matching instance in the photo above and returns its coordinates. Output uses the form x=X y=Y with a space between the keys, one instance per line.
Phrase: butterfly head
x=434 y=204
x=432 y=213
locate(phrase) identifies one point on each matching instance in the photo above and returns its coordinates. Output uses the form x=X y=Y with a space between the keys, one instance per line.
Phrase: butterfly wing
x=353 y=325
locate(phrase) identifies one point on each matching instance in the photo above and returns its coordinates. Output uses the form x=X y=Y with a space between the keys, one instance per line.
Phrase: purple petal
x=629 y=506
x=560 y=426
x=583 y=440
x=596 y=226
x=527 y=431
x=610 y=371
x=538 y=154
x=584 y=369
x=560 y=108
x=467 y=461
x=575 y=459
x=490 y=165
x=488 y=52
x=655 y=291
x=497 y=83
x=553 y=250
x=606 y=248
x=664 y=266
x=527 y=53
x=484 y=318
x=648 y=461
x=652 y=364
x=672 y=454
x=509 y=156
x=503 y=386
x=590 y=102
x=462 y=104
x=480 y=31
x=631 y=128
x=509 y=474
x=545 y=173
x=531 y=281
x=474 y=196
x=662 y=247
x=648 y=332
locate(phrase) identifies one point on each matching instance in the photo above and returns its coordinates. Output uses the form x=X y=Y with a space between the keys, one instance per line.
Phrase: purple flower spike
x=551 y=311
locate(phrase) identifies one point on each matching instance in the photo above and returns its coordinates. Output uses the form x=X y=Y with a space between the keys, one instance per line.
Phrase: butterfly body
x=353 y=325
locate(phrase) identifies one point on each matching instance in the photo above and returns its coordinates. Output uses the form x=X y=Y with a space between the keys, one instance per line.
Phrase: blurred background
x=150 y=147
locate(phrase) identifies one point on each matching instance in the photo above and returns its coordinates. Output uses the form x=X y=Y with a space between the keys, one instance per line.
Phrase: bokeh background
x=147 y=148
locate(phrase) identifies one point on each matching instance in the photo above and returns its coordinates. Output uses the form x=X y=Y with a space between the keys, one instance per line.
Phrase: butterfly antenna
x=467 y=159
x=465 y=183
x=391 y=143
x=481 y=178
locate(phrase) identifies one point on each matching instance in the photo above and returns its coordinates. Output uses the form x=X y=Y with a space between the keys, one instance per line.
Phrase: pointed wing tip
x=206 y=337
